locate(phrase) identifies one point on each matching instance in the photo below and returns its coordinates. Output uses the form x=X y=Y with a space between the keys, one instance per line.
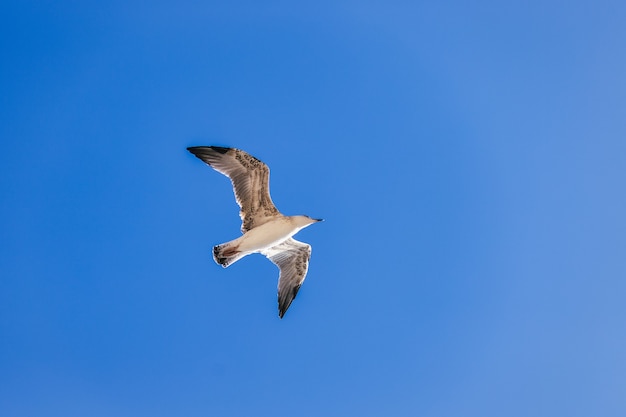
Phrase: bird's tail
x=227 y=254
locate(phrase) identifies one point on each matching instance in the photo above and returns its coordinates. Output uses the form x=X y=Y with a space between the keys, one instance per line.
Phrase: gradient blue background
x=469 y=160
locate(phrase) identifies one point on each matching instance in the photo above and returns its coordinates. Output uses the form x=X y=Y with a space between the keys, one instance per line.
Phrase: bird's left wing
x=292 y=258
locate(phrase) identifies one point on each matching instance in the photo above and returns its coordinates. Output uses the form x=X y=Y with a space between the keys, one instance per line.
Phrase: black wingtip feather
x=282 y=309
x=220 y=149
x=197 y=150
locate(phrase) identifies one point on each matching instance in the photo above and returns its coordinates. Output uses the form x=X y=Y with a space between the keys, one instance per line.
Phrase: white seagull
x=265 y=230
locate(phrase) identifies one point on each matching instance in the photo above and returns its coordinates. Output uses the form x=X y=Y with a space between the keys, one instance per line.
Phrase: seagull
x=265 y=230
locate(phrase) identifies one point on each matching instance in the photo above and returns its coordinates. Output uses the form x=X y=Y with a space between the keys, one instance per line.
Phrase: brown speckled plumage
x=250 y=179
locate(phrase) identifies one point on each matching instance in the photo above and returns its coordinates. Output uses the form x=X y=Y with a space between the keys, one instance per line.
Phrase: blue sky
x=469 y=160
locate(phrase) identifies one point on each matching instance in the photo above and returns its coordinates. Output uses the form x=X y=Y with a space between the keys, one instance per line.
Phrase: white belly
x=267 y=235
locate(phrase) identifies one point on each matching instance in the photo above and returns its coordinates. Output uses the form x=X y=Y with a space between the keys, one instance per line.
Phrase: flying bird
x=265 y=230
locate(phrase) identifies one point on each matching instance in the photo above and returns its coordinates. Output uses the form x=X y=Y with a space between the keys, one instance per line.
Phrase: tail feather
x=226 y=254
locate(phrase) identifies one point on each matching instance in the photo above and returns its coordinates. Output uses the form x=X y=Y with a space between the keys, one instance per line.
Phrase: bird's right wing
x=250 y=179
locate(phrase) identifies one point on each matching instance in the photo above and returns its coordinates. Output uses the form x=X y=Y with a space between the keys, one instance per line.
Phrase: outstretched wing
x=292 y=258
x=250 y=178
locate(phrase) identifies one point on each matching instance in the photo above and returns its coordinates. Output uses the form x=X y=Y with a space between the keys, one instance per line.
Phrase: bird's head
x=304 y=221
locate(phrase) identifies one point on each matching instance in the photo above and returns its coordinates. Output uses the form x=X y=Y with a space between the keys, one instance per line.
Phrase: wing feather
x=292 y=258
x=250 y=179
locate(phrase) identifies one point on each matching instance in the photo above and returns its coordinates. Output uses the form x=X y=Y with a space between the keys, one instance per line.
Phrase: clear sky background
x=468 y=157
